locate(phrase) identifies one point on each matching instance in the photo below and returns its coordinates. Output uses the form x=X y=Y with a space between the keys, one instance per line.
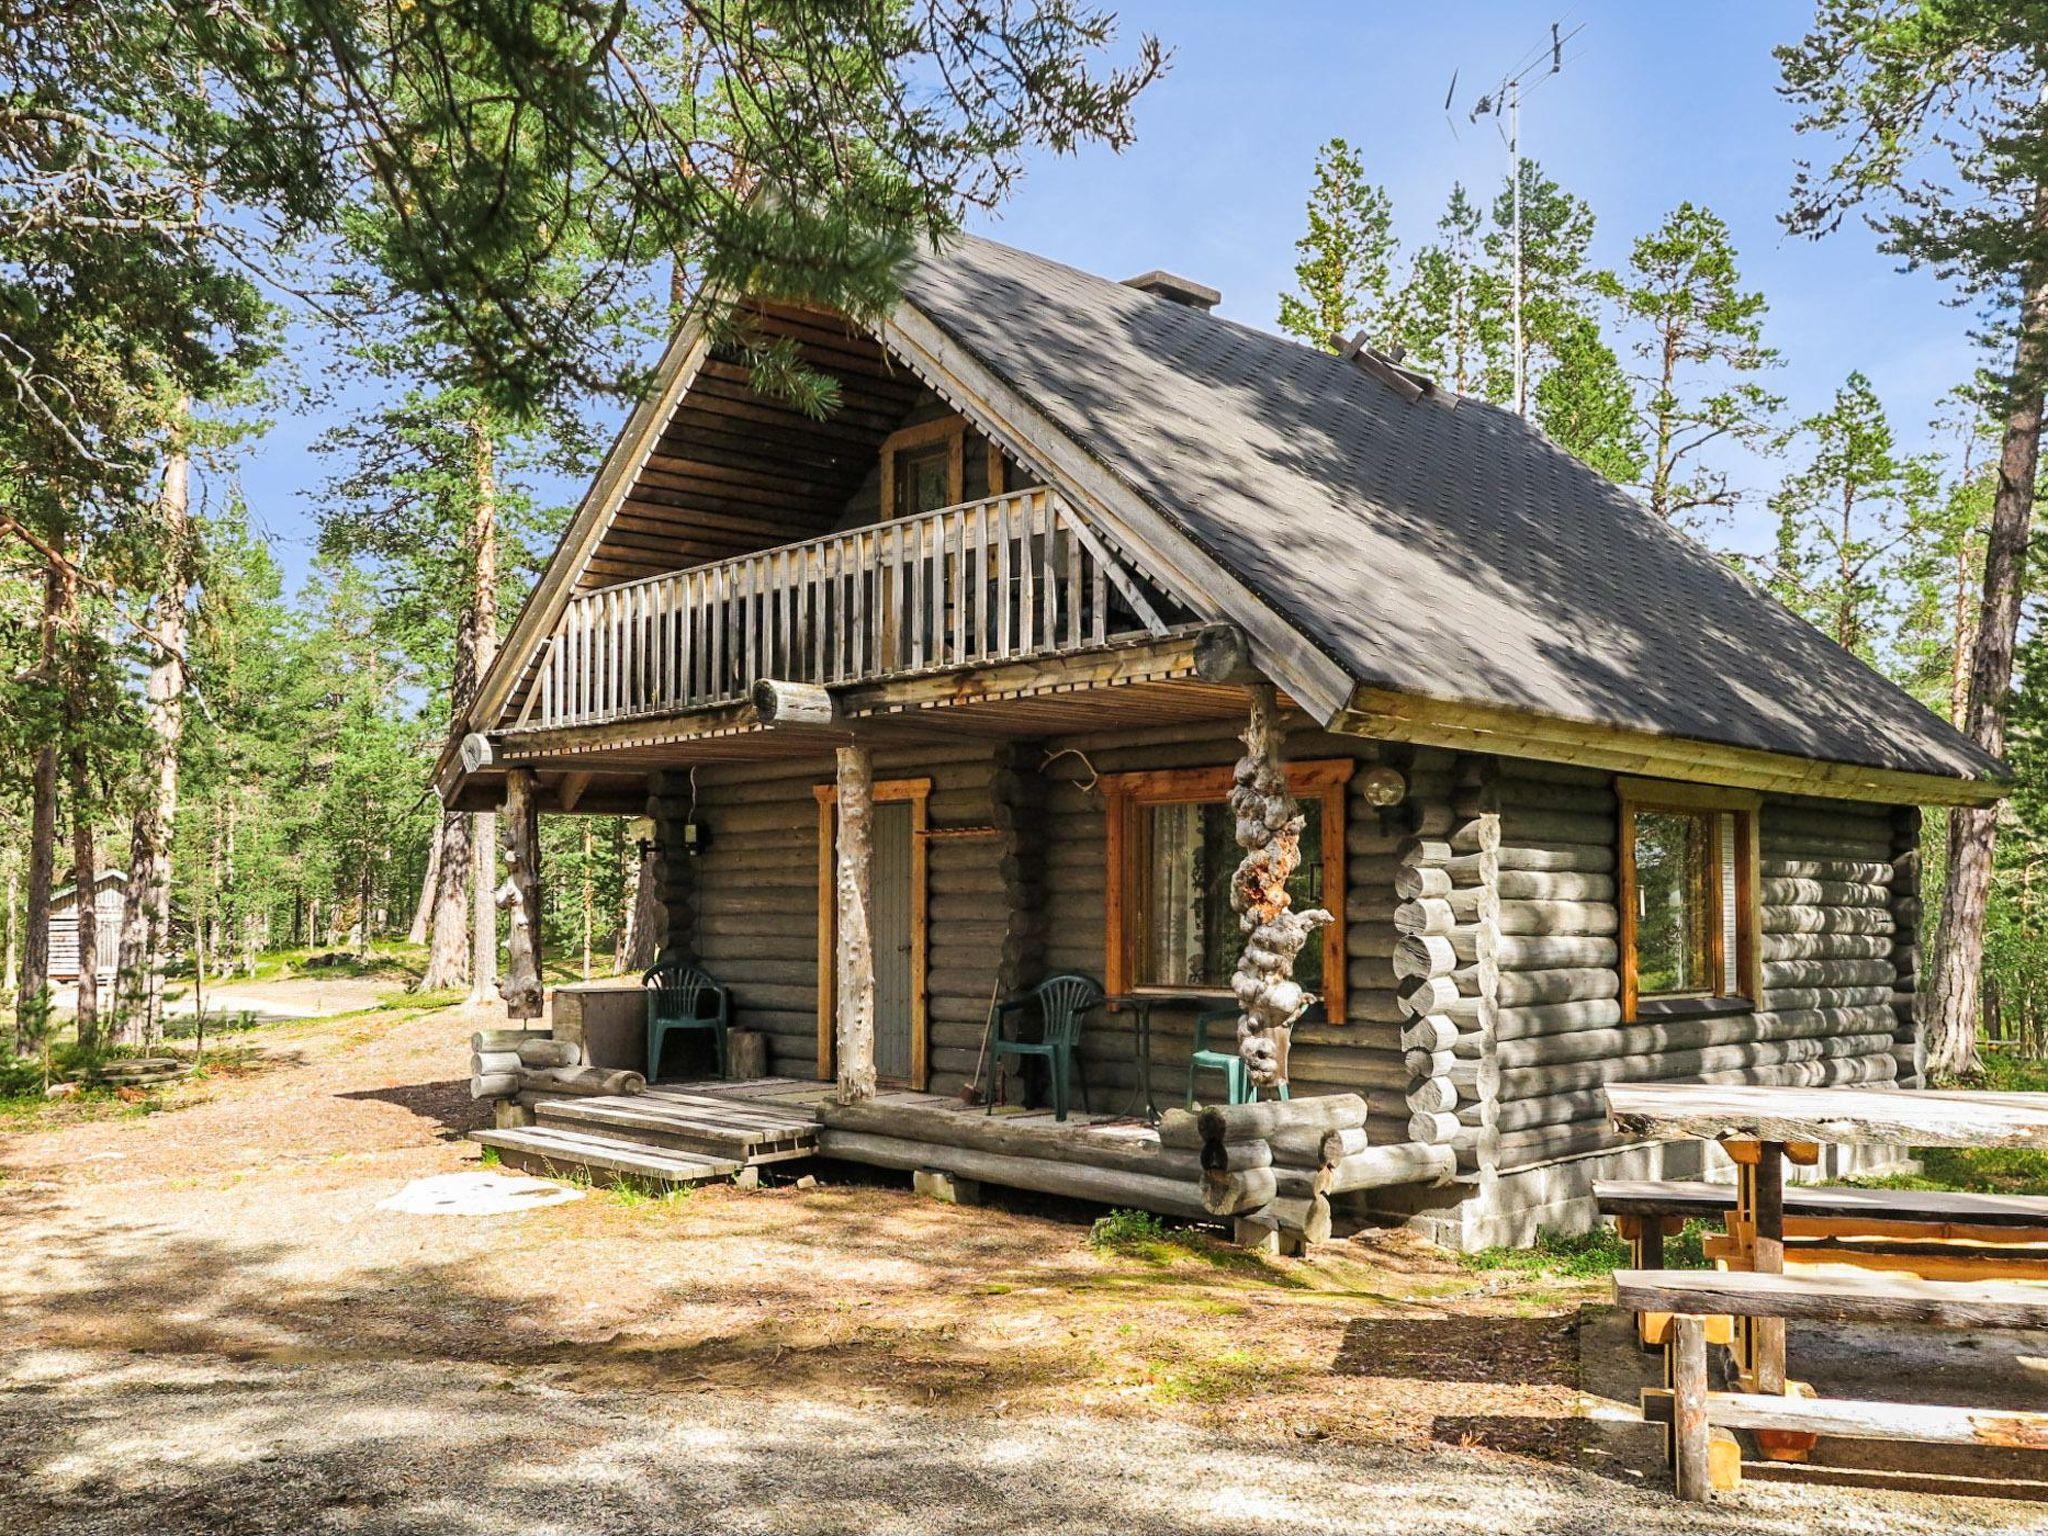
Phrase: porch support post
x=519 y=896
x=1269 y=827
x=855 y=968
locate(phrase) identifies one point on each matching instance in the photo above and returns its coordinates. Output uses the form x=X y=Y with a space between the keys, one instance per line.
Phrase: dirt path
x=206 y=1325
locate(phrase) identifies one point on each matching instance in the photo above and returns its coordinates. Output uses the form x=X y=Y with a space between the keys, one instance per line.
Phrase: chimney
x=1181 y=290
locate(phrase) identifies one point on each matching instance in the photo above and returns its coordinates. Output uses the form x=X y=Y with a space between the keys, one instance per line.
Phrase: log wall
x=1482 y=962
x=1837 y=982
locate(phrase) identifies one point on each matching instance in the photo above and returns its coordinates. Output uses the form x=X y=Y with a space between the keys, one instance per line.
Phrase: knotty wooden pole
x=854 y=971
x=519 y=896
x=1269 y=827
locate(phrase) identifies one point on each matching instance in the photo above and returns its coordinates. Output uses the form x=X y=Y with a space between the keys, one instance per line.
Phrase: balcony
x=1013 y=576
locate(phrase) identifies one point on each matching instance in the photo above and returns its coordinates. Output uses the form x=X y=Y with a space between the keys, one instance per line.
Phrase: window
x=1172 y=849
x=1687 y=909
x=924 y=467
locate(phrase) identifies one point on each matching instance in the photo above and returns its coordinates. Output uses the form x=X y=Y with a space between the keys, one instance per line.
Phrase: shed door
x=893 y=942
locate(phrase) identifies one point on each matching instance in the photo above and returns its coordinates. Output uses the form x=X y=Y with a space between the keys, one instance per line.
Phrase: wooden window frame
x=1130 y=794
x=918 y=793
x=950 y=430
x=1656 y=795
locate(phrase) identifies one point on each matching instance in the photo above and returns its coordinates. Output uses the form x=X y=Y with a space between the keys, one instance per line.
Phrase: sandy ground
x=206 y=1325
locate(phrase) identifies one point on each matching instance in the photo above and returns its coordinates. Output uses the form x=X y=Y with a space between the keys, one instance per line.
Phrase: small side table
x=1140 y=1005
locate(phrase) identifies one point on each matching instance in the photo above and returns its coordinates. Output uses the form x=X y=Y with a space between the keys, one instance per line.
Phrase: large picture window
x=1687 y=908
x=1172 y=851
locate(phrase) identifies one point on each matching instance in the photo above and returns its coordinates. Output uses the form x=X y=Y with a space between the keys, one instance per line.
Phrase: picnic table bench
x=1703 y=1461
x=1935 y=1234
x=1747 y=1303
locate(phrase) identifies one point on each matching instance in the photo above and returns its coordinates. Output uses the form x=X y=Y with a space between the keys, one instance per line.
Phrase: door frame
x=918 y=793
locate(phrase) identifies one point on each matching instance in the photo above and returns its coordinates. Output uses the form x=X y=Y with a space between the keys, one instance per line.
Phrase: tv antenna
x=1504 y=105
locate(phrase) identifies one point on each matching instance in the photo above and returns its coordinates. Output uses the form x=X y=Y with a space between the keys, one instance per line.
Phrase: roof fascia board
x=1319 y=684
x=1390 y=716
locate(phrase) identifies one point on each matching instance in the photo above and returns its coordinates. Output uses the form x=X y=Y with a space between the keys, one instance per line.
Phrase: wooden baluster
x=1027 y=584
x=915 y=596
x=1099 y=597
x=1049 y=583
x=1005 y=535
x=1075 y=618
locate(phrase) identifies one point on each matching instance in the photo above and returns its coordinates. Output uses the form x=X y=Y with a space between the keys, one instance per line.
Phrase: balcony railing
x=1013 y=576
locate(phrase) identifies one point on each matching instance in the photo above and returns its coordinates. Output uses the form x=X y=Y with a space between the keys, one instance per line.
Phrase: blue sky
x=1659 y=102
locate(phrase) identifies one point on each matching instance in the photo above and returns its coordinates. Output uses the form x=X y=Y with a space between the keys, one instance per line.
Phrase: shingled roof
x=1438 y=548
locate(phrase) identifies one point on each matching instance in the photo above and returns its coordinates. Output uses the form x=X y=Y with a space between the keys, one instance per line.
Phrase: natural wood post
x=1689 y=1408
x=1269 y=831
x=519 y=828
x=855 y=969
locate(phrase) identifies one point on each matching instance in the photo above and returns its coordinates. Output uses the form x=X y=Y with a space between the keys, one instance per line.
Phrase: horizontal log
x=1542 y=1081
x=1412 y=881
x=1558 y=917
x=486 y=1063
x=1235 y=1156
x=1823 y=893
x=1530 y=828
x=1420 y=995
x=550 y=1053
x=1548 y=952
x=1554 y=1018
x=1314 y=1148
x=1827 y=920
x=1521 y=988
x=1401 y=1163
x=1584 y=858
x=1857 y=871
x=1796 y=999
x=1431 y=1033
x=1424 y=915
x=494 y=1085
x=1433 y=1128
x=594 y=1081
x=1233 y=1193
x=1432 y=1095
x=1418 y=955
x=1423 y=1063
x=1260 y=1120
x=505 y=1039
x=1779 y=974
x=1548 y=885
x=1076 y=1181
x=1826 y=946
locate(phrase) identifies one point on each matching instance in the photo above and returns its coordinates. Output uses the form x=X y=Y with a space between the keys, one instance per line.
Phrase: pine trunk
x=85 y=880
x=648 y=918
x=1972 y=830
x=423 y=908
x=42 y=833
x=448 y=923
x=483 y=607
x=146 y=907
x=854 y=968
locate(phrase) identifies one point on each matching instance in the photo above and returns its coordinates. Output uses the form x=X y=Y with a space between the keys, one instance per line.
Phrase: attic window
x=924 y=467
x=1687 y=910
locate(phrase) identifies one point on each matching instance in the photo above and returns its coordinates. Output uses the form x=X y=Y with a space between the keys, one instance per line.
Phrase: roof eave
x=1388 y=715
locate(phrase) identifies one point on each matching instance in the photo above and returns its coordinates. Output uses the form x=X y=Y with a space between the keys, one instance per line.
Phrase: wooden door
x=896 y=925
x=890 y=919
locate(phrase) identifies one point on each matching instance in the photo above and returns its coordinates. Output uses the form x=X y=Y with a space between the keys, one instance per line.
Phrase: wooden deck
x=697 y=1132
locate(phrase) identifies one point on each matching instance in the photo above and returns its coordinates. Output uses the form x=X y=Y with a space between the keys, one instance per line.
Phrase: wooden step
x=554 y=1151
x=701 y=1127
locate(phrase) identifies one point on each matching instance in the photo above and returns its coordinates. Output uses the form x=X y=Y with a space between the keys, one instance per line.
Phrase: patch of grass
x=1221 y=1376
x=1588 y=1255
x=635 y=1194
x=1126 y=1232
x=1980 y=1170
x=490 y=1159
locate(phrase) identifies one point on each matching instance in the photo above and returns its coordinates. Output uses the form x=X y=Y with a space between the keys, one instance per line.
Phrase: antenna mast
x=1537 y=66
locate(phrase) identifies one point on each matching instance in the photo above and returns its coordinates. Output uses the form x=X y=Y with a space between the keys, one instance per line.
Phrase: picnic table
x=1762 y=1128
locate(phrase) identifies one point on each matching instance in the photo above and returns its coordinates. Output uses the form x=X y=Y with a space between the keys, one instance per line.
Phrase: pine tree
x=1443 y=328
x=1844 y=518
x=1345 y=270
x=1923 y=97
x=1583 y=403
x=1700 y=338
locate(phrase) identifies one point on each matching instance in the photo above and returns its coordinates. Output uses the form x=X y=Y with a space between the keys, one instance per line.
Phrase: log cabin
x=940 y=693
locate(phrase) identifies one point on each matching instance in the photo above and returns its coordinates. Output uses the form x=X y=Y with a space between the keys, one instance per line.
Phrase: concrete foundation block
x=510 y=1115
x=947 y=1188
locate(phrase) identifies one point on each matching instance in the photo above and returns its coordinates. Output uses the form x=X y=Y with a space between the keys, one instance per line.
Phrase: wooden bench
x=1703 y=1455
x=1935 y=1235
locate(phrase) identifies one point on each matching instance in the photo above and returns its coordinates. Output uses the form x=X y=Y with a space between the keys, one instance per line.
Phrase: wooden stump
x=746 y=1055
x=855 y=971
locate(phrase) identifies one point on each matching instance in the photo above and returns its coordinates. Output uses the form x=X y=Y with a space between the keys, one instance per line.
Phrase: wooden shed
x=1584 y=805
x=109 y=893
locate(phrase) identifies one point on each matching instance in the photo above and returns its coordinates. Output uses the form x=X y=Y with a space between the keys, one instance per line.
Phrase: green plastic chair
x=681 y=996
x=1061 y=1001
x=1237 y=1079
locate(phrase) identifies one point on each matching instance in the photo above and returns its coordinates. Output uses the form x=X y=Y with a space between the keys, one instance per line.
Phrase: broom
x=971 y=1090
